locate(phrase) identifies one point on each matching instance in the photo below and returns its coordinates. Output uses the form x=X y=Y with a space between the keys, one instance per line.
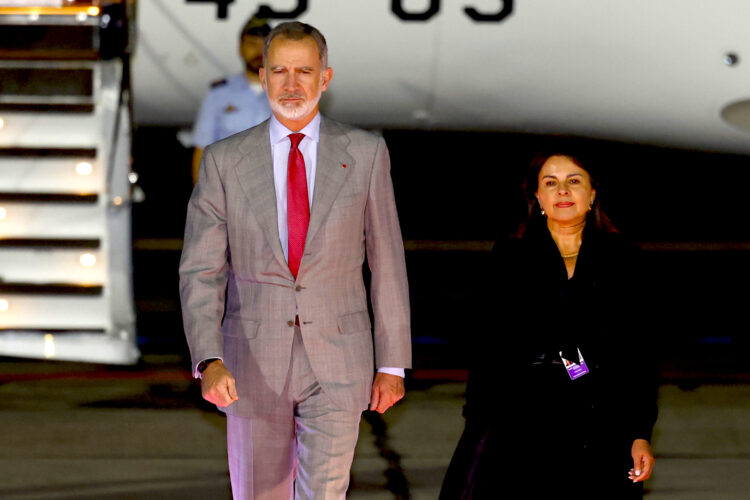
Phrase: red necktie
x=297 y=203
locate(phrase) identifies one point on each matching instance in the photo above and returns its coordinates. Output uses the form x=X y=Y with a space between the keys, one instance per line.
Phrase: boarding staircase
x=66 y=184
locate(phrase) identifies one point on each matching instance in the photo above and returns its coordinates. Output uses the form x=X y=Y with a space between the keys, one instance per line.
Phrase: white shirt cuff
x=393 y=371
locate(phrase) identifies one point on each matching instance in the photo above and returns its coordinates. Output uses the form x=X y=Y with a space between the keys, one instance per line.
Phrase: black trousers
x=549 y=438
x=490 y=466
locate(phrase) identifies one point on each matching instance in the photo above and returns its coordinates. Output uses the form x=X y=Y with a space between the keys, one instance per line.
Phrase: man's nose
x=290 y=82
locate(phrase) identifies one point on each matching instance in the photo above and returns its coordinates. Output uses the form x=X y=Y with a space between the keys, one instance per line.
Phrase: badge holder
x=575 y=370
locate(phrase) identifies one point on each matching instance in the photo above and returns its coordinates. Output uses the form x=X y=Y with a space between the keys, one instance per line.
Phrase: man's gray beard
x=295 y=112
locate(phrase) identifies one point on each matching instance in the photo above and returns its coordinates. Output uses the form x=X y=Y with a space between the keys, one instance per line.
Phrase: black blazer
x=605 y=310
x=518 y=389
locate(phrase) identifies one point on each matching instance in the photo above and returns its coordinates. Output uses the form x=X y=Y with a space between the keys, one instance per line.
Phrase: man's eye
x=574 y=181
x=549 y=183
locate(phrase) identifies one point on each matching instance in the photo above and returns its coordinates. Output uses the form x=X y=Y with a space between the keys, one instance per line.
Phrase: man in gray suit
x=273 y=299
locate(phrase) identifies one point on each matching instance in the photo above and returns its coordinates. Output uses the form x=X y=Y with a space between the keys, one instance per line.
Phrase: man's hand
x=217 y=384
x=387 y=389
x=643 y=461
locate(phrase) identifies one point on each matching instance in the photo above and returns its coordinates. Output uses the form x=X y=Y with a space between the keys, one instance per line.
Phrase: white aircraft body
x=665 y=72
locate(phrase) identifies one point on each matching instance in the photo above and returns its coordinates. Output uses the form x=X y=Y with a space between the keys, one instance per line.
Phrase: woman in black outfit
x=561 y=398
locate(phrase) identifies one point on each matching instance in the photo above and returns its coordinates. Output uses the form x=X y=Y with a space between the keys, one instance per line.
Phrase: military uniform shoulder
x=234 y=140
x=219 y=83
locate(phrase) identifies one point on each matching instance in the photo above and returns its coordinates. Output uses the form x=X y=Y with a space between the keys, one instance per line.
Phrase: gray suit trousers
x=302 y=448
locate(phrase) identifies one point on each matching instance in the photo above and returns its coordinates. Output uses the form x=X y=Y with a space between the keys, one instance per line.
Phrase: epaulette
x=219 y=83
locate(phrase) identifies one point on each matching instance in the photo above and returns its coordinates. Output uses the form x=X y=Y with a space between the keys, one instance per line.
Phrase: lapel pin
x=343 y=165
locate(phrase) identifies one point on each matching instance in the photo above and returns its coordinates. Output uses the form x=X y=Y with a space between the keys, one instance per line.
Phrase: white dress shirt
x=280 y=146
x=308 y=146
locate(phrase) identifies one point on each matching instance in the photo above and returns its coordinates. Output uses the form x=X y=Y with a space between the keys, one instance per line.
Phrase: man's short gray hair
x=295 y=30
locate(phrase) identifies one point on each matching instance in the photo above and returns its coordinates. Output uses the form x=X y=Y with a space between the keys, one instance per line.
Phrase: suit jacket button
x=299 y=288
x=290 y=323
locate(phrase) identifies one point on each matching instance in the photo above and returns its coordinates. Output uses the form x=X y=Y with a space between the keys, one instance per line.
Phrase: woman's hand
x=643 y=461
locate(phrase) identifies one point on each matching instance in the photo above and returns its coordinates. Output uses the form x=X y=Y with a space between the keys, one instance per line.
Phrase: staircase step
x=44 y=152
x=66 y=243
x=50 y=289
x=49 y=197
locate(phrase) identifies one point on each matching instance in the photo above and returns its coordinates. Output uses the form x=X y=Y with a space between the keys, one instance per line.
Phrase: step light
x=49 y=346
x=4 y=305
x=88 y=260
x=3 y=213
x=84 y=168
x=2 y=123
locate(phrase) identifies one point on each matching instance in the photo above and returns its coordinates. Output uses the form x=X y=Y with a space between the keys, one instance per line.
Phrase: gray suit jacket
x=239 y=297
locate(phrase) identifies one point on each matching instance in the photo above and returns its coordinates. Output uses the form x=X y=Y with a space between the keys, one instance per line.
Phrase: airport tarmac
x=77 y=431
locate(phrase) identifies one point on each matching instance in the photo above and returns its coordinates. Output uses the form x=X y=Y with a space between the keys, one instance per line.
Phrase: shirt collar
x=279 y=132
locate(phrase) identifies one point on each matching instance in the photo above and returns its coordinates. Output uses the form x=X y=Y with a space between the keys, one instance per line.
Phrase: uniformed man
x=237 y=102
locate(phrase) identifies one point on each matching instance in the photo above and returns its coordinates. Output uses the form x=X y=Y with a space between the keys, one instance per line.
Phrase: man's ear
x=262 y=76
x=327 y=77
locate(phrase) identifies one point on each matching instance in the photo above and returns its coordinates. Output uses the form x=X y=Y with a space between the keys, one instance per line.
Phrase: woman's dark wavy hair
x=577 y=155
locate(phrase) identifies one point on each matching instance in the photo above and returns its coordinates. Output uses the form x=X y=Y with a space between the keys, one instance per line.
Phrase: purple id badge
x=575 y=370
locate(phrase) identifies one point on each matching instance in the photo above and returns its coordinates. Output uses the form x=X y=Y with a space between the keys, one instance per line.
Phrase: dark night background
x=685 y=208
